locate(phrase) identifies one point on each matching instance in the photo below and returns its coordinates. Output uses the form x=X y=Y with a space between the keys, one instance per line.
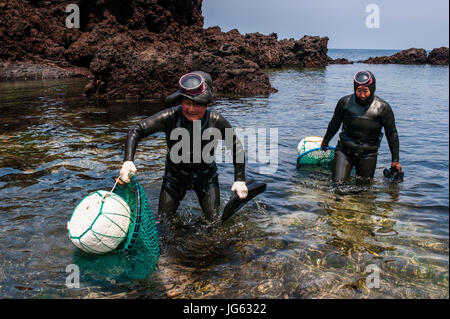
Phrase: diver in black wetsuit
x=363 y=115
x=193 y=170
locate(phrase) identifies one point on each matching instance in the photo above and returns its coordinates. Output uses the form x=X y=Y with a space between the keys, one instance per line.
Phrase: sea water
x=299 y=239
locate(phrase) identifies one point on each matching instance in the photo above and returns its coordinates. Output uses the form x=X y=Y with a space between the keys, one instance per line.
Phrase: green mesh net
x=138 y=254
x=316 y=157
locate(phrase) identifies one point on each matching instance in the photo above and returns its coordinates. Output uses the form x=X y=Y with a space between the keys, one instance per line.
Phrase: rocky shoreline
x=438 y=56
x=139 y=48
x=32 y=71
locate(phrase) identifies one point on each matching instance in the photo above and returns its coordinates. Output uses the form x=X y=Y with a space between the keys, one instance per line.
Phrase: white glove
x=127 y=168
x=240 y=189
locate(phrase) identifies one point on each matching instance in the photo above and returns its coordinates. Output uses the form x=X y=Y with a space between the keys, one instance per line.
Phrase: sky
x=390 y=24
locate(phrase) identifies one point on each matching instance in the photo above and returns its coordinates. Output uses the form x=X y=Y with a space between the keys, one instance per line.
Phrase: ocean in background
x=356 y=55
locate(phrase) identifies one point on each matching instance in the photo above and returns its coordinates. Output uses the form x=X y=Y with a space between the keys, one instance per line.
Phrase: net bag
x=137 y=255
x=309 y=152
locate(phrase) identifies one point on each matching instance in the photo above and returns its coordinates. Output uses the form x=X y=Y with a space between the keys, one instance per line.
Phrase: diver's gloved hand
x=240 y=189
x=127 y=168
x=397 y=166
x=323 y=145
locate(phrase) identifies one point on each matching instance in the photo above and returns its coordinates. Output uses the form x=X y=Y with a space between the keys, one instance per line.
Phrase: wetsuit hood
x=204 y=95
x=364 y=78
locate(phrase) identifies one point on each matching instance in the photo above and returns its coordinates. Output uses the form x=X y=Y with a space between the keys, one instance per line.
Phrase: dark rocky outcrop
x=409 y=56
x=139 y=48
x=339 y=61
x=439 y=56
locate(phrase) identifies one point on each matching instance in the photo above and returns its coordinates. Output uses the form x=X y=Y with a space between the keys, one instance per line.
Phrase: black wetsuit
x=194 y=173
x=361 y=135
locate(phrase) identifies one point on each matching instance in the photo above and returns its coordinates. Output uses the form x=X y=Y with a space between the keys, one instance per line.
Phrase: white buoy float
x=99 y=222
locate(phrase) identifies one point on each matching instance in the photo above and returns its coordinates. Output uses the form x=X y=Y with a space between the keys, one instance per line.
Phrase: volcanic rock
x=339 y=61
x=409 y=56
x=439 y=56
x=139 y=48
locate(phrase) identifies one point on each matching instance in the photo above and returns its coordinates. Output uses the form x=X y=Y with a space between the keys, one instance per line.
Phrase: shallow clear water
x=299 y=239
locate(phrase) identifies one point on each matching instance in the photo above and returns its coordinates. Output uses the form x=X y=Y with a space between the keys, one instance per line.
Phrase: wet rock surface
x=33 y=71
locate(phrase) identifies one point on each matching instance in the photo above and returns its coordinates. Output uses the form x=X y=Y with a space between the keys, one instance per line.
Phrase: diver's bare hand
x=397 y=166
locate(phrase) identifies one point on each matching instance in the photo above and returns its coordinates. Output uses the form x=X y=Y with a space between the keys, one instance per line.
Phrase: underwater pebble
x=174 y=292
x=266 y=286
